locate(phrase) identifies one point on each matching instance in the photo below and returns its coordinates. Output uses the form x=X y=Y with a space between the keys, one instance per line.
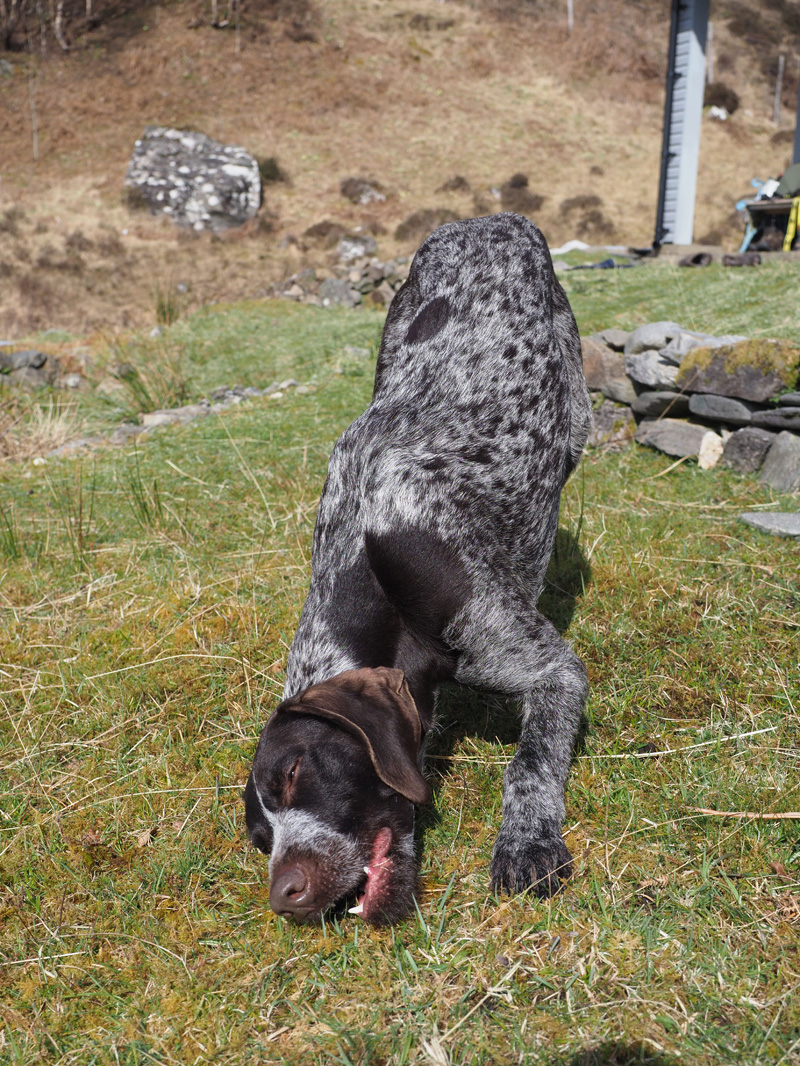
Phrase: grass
x=147 y=600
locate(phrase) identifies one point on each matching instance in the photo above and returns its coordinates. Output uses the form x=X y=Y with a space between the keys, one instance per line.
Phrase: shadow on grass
x=467 y=712
x=613 y=1054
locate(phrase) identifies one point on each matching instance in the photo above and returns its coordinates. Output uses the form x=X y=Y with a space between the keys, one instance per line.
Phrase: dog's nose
x=290 y=893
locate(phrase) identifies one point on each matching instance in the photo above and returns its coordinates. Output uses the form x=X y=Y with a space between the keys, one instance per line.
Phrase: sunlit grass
x=143 y=642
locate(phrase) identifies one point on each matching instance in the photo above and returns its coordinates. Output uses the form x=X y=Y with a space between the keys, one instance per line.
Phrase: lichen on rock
x=757 y=369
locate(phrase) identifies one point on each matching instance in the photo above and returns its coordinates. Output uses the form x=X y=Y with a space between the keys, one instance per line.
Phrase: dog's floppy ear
x=376 y=706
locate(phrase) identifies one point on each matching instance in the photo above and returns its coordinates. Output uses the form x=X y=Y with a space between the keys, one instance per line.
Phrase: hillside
x=408 y=93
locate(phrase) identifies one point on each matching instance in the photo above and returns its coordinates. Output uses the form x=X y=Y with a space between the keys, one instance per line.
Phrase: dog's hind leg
x=529 y=852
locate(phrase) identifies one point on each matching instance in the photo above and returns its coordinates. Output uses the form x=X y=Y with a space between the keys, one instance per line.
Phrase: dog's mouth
x=374 y=891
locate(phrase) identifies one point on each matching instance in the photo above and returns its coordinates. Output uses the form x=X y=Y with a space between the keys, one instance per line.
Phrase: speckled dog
x=434 y=531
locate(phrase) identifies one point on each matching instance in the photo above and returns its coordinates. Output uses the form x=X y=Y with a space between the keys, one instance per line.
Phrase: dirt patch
x=417 y=226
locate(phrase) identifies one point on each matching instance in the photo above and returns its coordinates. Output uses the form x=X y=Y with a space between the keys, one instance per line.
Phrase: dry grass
x=29 y=429
x=412 y=93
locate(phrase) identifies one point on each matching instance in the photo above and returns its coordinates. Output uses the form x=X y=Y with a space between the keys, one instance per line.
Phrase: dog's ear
x=376 y=706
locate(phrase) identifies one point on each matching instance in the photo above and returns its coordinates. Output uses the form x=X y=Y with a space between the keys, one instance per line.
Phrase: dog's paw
x=538 y=865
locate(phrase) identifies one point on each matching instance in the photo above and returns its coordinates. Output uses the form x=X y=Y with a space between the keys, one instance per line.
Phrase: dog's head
x=331 y=796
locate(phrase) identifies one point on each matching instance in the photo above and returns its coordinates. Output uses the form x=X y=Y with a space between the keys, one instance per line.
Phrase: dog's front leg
x=529 y=852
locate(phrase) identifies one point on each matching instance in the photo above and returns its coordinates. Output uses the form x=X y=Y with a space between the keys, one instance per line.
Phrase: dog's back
x=479 y=414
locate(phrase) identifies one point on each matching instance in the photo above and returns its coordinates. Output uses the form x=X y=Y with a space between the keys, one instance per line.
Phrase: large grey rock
x=651 y=368
x=193 y=179
x=30 y=357
x=746 y=449
x=781 y=468
x=613 y=426
x=779 y=523
x=653 y=404
x=779 y=418
x=338 y=292
x=356 y=246
x=653 y=335
x=721 y=409
x=789 y=399
x=754 y=370
x=672 y=436
x=620 y=390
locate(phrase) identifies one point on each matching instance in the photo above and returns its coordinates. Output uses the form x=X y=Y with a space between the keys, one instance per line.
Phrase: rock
x=711 y=448
x=789 y=399
x=613 y=426
x=779 y=418
x=721 y=409
x=307 y=280
x=600 y=363
x=181 y=415
x=654 y=335
x=193 y=179
x=746 y=449
x=672 y=436
x=337 y=292
x=781 y=469
x=752 y=370
x=779 y=523
x=355 y=246
x=361 y=191
x=653 y=404
x=73 y=381
x=30 y=357
x=27 y=377
x=381 y=296
x=615 y=339
x=651 y=368
x=620 y=390
x=122 y=434
x=688 y=340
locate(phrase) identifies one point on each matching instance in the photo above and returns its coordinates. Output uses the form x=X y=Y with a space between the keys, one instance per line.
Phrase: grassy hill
x=409 y=94
x=147 y=599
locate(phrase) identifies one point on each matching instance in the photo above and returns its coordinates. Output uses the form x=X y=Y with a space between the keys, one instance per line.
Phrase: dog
x=434 y=531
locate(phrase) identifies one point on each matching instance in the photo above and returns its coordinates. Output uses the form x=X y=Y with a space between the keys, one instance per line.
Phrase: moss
x=765 y=356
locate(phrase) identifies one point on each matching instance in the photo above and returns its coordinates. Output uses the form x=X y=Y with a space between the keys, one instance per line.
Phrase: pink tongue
x=380 y=849
x=376 y=871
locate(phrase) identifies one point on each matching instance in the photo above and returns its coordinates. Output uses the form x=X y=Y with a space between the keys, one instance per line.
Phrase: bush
x=718 y=94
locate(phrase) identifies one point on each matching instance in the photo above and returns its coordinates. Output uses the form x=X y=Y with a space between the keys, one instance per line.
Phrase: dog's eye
x=290 y=777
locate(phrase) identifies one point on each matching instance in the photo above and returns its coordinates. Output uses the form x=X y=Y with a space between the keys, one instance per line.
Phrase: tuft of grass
x=29 y=429
x=167 y=303
x=145 y=502
x=153 y=374
x=10 y=540
x=74 y=502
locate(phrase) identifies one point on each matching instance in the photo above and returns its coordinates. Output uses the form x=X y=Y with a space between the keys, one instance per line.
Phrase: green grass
x=147 y=599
